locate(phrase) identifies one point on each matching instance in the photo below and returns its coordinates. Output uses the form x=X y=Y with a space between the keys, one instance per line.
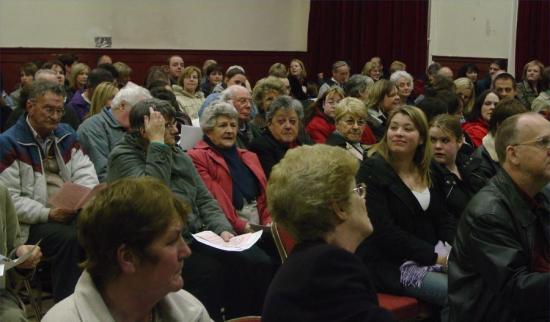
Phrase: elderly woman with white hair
x=281 y=134
x=234 y=176
x=404 y=83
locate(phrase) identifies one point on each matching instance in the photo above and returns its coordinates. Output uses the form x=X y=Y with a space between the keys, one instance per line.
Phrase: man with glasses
x=37 y=156
x=499 y=268
x=241 y=99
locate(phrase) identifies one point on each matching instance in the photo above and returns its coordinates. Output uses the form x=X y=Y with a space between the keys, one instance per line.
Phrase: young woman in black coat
x=456 y=174
x=405 y=254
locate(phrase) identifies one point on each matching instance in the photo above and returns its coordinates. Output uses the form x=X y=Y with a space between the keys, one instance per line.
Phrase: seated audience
x=78 y=78
x=470 y=71
x=240 y=98
x=322 y=280
x=477 y=121
x=49 y=75
x=465 y=89
x=124 y=74
x=486 y=151
x=10 y=304
x=530 y=86
x=149 y=149
x=135 y=253
x=456 y=173
x=103 y=96
x=321 y=124
x=499 y=268
x=397 y=65
x=99 y=133
x=340 y=75
x=281 y=133
x=373 y=70
x=298 y=73
x=59 y=69
x=26 y=71
x=263 y=94
x=446 y=72
x=406 y=254
x=351 y=121
x=404 y=83
x=505 y=86
x=38 y=155
x=175 y=68
x=188 y=93
x=82 y=100
x=234 y=176
x=157 y=77
x=234 y=75
x=358 y=86
x=382 y=99
x=498 y=65
x=541 y=104
x=214 y=76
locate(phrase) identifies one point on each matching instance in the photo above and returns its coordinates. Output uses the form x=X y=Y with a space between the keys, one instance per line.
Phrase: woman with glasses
x=351 y=121
x=407 y=253
x=322 y=279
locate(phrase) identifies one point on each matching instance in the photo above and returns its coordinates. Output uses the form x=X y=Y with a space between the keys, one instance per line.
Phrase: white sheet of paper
x=189 y=136
x=235 y=244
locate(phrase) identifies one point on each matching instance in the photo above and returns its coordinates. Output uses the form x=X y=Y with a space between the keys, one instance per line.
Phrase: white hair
x=131 y=94
x=397 y=75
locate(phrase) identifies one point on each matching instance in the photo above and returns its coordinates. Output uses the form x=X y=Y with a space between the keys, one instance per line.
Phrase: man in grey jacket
x=149 y=149
x=99 y=134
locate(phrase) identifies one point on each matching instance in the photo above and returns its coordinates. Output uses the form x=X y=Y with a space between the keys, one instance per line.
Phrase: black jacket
x=488 y=167
x=402 y=229
x=489 y=267
x=458 y=191
x=321 y=282
x=269 y=150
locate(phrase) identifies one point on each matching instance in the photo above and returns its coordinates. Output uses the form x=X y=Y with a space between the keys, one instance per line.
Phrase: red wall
x=256 y=63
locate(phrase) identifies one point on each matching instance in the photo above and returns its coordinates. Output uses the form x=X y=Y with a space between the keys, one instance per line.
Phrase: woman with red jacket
x=321 y=124
x=234 y=176
x=477 y=125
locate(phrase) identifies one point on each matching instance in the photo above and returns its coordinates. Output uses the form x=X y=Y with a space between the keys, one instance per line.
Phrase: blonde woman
x=465 y=89
x=103 y=95
x=79 y=77
x=406 y=253
x=187 y=91
x=530 y=86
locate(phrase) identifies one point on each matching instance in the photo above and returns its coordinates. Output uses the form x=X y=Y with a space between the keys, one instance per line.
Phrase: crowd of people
x=432 y=187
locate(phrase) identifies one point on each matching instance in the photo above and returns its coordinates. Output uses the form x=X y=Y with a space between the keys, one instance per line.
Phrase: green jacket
x=131 y=158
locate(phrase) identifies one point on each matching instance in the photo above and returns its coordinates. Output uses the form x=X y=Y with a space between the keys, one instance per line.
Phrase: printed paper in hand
x=235 y=244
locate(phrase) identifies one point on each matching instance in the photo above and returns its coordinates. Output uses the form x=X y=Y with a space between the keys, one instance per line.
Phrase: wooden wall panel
x=456 y=62
x=256 y=63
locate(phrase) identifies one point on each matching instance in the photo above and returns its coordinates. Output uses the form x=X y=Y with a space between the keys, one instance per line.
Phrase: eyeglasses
x=361 y=190
x=351 y=122
x=542 y=143
x=52 y=111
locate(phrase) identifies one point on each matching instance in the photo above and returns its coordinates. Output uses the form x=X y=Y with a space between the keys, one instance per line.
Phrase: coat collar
x=24 y=136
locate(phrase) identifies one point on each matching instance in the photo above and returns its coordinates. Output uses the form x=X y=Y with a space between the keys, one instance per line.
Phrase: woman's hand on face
x=154 y=126
x=32 y=261
x=226 y=236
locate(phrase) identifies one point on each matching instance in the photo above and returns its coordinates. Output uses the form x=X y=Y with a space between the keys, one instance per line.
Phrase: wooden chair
x=403 y=308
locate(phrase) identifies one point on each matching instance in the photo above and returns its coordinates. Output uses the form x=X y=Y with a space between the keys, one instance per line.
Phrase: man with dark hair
x=499 y=268
x=175 y=68
x=68 y=60
x=497 y=65
x=37 y=156
x=81 y=100
x=504 y=85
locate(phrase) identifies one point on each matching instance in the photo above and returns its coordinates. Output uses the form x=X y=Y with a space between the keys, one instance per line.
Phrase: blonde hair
x=370 y=65
x=464 y=83
x=304 y=185
x=423 y=154
x=264 y=85
x=76 y=70
x=303 y=74
x=397 y=65
x=352 y=106
x=103 y=92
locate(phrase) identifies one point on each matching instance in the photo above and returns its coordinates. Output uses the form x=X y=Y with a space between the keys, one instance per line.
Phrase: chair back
x=283 y=240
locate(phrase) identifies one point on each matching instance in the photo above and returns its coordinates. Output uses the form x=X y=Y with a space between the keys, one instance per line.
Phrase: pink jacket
x=217 y=178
